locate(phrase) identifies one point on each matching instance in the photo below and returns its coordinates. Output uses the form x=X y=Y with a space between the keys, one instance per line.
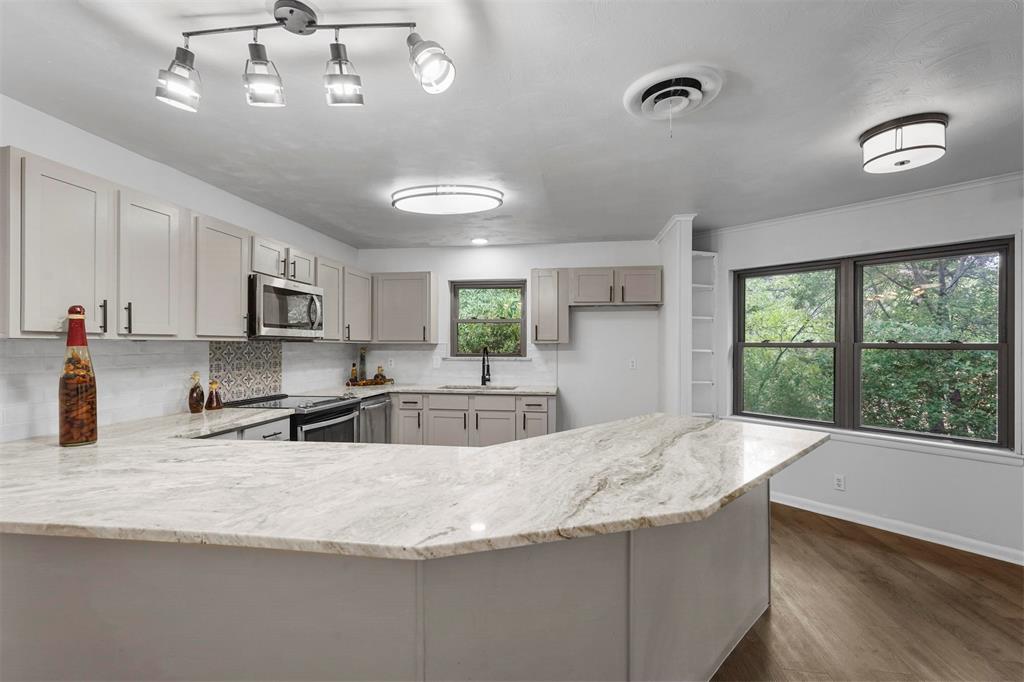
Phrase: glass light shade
x=343 y=87
x=263 y=86
x=179 y=84
x=478 y=241
x=447 y=199
x=904 y=143
x=430 y=65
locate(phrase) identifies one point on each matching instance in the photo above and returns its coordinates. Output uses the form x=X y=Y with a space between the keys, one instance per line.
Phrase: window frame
x=456 y=285
x=850 y=344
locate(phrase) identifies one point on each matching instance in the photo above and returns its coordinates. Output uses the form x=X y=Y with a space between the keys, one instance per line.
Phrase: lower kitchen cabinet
x=491 y=428
x=275 y=430
x=409 y=426
x=448 y=427
x=531 y=424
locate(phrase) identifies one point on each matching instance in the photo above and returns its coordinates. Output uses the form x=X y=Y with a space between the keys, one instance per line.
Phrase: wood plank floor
x=851 y=602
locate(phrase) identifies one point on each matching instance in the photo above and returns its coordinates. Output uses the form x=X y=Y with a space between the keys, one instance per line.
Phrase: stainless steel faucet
x=485 y=367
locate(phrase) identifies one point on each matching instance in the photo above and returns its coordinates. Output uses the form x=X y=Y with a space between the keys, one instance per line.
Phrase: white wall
x=605 y=339
x=33 y=131
x=927 y=490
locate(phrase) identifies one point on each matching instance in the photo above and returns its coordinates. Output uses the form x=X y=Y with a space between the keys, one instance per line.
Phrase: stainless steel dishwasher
x=375 y=420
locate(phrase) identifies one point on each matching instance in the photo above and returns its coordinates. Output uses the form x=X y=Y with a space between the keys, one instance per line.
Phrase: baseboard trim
x=940 y=537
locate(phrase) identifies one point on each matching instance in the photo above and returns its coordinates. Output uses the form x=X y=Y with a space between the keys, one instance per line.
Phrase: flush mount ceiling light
x=447 y=199
x=179 y=85
x=478 y=241
x=904 y=143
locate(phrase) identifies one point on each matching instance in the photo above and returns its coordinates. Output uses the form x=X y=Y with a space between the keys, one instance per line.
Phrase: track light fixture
x=180 y=86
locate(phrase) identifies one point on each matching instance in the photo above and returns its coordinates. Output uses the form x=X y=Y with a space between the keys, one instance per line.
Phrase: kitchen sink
x=477 y=387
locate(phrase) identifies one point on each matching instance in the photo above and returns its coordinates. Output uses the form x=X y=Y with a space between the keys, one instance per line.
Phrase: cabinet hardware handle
x=408 y=402
x=611 y=293
x=271 y=435
x=477 y=421
x=418 y=423
x=284 y=267
x=524 y=422
x=532 y=404
x=348 y=332
x=424 y=332
x=623 y=299
x=293 y=269
x=103 y=325
x=465 y=421
x=536 y=332
x=129 y=309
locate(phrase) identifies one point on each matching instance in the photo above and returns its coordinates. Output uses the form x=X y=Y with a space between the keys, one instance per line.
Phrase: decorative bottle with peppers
x=76 y=392
x=195 y=395
x=213 y=400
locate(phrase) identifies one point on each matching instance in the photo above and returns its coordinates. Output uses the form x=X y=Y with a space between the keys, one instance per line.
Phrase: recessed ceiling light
x=479 y=241
x=447 y=199
x=904 y=143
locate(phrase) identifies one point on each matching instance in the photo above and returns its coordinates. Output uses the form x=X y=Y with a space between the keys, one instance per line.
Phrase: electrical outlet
x=632 y=363
x=391 y=363
x=839 y=482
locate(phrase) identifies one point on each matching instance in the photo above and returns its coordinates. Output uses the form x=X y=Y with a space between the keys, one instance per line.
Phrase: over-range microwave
x=283 y=309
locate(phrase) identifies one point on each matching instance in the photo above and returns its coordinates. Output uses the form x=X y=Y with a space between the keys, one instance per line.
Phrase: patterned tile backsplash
x=246 y=370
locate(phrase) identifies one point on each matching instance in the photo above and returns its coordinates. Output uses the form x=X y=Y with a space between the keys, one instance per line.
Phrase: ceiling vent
x=672 y=92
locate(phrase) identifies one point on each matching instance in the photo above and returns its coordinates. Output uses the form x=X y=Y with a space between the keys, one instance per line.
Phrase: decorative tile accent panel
x=248 y=369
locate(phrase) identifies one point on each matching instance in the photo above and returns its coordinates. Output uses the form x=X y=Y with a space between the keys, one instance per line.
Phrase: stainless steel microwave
x=283 y=309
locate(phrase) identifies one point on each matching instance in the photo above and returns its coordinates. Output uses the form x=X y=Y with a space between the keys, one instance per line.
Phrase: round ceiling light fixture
x=904 y=143
x=447 y=199
x=478 y=241
x=672 y=91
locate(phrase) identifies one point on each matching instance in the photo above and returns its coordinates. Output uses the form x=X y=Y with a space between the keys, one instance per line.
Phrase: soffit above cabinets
x=537 y=107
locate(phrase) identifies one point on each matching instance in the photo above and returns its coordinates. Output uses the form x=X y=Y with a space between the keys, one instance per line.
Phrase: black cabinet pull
x=271 y=435
x=103 y=324
x=536 y=332
x=623 y=294
x=611 y=293
x=418 y=423
x=293 y=269
x=465 y=421
x=424 y=332
x=524 y=422
x=129 y=309
x=348 y=332
x=532 y=404
x=284 y=267
x=477 y=421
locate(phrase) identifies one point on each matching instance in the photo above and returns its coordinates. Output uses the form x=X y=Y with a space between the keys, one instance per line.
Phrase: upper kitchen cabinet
x=67 y=244
x=273 y=258
x=593 y=285
x=357 y=305
x=330 y=277
x=549 y=305
x=148 y=242
x=301 y=266
x=405 y=307
x=269 y=257
x=222 y=268
x=639 y=285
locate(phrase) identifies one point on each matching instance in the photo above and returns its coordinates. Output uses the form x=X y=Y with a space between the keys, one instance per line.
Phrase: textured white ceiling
x=536 y=109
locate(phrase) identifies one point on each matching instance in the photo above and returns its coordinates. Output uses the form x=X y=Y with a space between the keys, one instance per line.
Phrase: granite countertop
x=370 y=391
x=141 y=482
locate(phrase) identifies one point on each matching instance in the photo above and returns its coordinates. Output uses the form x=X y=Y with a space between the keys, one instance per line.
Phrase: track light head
x=343 y=87
x=263 y=86
x=179 y=84
x=430 y=65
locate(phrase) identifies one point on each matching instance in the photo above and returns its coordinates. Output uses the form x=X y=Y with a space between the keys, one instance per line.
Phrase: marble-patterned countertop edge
x=371 y=391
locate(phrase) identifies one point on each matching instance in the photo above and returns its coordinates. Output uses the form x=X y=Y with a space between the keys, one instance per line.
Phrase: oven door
x=335 y=429
x=280 y=308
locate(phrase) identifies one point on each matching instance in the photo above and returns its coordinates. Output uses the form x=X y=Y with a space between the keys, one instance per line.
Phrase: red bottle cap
x=76 y=326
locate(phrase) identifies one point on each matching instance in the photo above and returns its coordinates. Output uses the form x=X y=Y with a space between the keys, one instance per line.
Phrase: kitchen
x=496 y=382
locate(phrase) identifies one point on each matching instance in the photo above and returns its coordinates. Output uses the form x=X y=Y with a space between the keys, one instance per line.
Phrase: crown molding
x=1016 y=176
x=676 y=218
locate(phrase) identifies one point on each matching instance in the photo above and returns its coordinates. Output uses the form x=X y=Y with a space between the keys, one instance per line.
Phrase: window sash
x=849 y=344
x=457 y=286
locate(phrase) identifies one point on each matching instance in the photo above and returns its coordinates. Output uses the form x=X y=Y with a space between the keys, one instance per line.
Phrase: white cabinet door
x=549 y=307
x=329 y=277
x=593 y=285
x=356 y=315
x=269 y=257
x=67 y=243
x=639 y=285
x=301 y=266
x=275 y=430
x=222 y=266
x=491 y=428
x=410 y=427
x=402 y=306
x=149 y=250
x=530 y=424
x=448 y=427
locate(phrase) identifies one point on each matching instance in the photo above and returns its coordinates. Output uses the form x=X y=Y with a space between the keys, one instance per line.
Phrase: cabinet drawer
x=275 y=430
x=408 y=401
x=531 y=403
x=443 y=401
x=496 y=403
x=230 y=435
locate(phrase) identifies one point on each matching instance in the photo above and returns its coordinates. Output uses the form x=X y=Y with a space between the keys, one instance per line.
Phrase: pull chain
x=670 y=123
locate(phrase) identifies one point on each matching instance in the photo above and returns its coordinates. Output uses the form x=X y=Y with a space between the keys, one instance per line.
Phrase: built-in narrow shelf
x=709 y=318
x=704 y=383
x=703 y=287
x=702 y=350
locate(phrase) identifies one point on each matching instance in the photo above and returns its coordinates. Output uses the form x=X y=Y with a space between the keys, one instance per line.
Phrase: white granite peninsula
x=636 y=549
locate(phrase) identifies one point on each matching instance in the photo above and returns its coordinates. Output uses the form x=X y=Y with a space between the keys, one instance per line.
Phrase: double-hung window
x=488 y=314
x=914 y=342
